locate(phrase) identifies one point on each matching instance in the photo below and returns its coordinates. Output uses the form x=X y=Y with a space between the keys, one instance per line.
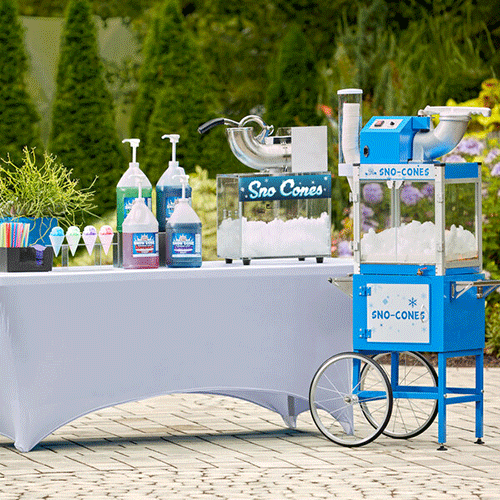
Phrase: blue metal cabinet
x=416 y=313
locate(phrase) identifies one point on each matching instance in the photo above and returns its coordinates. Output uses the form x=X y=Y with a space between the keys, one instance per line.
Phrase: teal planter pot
x=39 y=228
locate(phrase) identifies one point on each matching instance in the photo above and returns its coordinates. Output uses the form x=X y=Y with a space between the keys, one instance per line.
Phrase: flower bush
x=485 y=150
x=341 y=241
x=489 y=97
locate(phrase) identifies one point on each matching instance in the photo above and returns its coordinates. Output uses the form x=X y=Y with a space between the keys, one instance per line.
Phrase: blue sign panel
x=399 y=171
x=290 y=187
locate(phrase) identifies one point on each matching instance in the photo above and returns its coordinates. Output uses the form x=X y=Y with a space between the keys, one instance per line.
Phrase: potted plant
x=45 y=195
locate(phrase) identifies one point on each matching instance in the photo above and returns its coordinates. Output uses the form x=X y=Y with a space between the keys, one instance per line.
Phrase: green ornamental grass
x=28 y=190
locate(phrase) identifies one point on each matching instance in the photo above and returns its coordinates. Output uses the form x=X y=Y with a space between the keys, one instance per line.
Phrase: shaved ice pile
x=278 y=238
x=416 y=243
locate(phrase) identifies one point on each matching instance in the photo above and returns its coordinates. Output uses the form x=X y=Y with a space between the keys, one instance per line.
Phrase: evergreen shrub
x=292 y=95
x=18 y=116
x=176 y=95
x=83 y=134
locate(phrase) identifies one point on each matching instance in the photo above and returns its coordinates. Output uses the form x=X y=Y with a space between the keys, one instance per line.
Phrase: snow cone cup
x=106 y=238
x=56 y=239
x=89 y=237
x=73 y=236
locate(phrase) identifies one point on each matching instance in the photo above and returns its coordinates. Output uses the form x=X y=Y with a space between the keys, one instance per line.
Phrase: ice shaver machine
x=284 y=210
x=417 y=283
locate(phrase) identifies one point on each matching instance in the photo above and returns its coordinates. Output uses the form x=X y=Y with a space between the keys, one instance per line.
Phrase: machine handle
x=205 y=127
x=454 y=111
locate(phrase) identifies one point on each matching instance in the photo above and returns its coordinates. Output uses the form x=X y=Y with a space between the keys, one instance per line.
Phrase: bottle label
x=170 y=205
x=128 y=201
x=145 y=244
x=186 y=244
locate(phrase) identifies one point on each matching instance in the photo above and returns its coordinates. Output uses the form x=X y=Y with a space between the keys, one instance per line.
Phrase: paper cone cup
x=106 y=240
x=89 y=240
x=56 y=242
x=73 y=240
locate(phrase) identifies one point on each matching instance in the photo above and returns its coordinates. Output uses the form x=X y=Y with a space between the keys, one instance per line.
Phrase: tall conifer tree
x=293 y=90
x=176 y=96
x=83 y=133
x=18 y=115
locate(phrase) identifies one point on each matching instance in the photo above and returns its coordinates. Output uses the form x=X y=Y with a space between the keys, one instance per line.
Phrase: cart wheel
x=339 y=404
x=410 y=416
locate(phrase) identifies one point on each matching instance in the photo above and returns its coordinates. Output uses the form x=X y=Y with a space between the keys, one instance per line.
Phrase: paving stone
x=203 y=446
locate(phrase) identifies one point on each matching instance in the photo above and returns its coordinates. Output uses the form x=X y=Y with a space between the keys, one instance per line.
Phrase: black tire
x=336 y=401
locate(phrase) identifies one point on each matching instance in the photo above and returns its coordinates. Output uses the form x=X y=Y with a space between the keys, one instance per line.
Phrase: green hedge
x=83 y=134
x=18 y=116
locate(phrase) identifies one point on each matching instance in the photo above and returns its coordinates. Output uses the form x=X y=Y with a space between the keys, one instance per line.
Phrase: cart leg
x=480 y=402
x=395 y=370
x=441 y=401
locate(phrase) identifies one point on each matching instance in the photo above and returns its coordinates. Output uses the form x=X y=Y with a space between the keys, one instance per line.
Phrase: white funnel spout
x=453 y=121
x=441 y=140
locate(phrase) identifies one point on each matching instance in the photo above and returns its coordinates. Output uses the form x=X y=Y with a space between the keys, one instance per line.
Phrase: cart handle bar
x=484 y=287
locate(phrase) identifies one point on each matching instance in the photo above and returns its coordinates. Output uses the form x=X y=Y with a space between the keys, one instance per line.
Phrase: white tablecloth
x=76 y=340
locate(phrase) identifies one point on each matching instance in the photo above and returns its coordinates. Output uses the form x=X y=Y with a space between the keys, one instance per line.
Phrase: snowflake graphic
x=412 y=302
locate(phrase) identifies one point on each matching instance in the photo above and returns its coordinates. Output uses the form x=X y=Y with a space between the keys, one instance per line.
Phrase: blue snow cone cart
x=417 y=285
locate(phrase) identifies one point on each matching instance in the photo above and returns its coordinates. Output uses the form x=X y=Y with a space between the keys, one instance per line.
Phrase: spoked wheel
x=344 y=388
x=410 y=416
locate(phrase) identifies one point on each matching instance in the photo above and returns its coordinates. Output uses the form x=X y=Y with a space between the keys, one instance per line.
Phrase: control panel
x=386 y=123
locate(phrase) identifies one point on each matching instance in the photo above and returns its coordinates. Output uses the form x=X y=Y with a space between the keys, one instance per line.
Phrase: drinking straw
x=14 y=234
x=28 y=227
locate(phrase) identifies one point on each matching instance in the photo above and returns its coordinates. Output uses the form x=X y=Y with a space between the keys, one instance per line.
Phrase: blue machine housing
x=390 y=139
x=454 y=323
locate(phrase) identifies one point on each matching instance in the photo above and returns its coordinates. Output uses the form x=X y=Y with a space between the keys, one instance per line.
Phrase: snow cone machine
x=417 y=284
x=284 y=209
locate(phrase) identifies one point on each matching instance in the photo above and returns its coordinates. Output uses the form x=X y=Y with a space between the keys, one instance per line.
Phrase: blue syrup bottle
x=183 y=233
x=168 y=188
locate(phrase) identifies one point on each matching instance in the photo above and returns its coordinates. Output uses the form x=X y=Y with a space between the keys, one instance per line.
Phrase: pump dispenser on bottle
x=169 y=189
x=126 y=189
x=183 y=233
x=140 y=235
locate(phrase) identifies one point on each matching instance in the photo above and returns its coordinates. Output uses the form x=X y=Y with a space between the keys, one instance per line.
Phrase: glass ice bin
x=271 y=215
x=435 y=220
